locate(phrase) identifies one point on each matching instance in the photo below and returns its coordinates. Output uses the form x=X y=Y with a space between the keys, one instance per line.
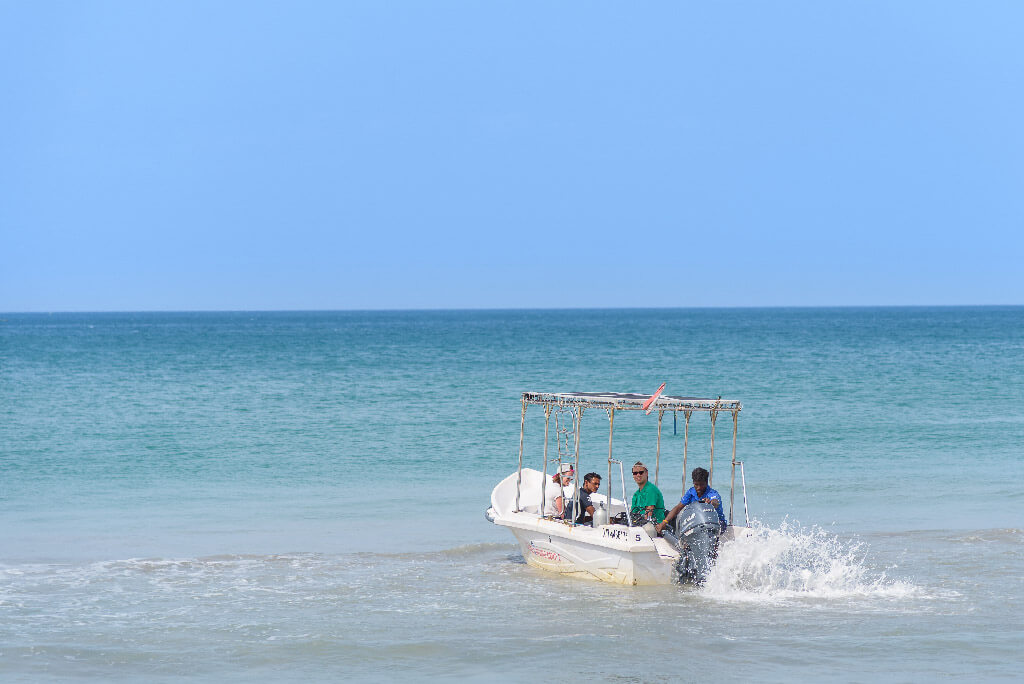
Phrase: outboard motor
x=696 y=538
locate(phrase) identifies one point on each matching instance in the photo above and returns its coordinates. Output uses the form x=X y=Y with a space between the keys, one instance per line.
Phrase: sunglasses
x=639 y=472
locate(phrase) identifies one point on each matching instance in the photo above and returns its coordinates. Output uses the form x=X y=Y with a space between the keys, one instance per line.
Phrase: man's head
x=591 y=482
x=700 y=480
x=640 y=473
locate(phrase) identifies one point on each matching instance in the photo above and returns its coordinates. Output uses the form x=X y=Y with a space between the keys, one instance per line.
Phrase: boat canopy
x=576 y=403
x=628 y=401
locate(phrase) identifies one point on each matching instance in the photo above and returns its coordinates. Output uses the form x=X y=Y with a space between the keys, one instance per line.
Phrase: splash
x=792 y=562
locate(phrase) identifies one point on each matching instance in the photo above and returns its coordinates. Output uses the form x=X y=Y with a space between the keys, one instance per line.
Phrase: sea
x=300 y=496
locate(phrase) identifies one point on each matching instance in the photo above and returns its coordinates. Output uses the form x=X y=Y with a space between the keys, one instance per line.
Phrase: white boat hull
x=608 y=553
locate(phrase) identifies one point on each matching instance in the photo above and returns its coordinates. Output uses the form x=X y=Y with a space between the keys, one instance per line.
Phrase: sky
x=252 y=155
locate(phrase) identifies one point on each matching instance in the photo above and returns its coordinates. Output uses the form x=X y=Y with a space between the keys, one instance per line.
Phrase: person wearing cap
x=700 y=491
x=562 y=489
x=647 y=500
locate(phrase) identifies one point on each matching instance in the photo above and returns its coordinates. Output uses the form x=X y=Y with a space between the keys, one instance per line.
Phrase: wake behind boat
x=617 y=545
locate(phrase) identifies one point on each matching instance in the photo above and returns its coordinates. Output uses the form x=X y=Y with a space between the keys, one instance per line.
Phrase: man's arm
x=587 y=515
x=669 y=517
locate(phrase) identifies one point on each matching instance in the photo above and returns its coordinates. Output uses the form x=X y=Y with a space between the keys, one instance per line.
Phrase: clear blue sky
x=349 y=155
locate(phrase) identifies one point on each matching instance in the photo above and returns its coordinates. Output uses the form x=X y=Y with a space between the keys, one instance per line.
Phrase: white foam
x=791 y=562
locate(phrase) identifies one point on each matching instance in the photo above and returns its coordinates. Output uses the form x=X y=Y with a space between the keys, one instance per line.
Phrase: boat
x=616 y=546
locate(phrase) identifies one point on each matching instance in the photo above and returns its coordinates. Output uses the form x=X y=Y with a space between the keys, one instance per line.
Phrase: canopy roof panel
x=629 y=401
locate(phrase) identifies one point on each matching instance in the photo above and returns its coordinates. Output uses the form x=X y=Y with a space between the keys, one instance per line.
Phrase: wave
x=793 y=562
x=221 y=563
x=1004 y=535
x=475 y=549
x=466 y=550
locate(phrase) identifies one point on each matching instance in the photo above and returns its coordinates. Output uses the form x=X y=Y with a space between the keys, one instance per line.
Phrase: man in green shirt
x=648 y=499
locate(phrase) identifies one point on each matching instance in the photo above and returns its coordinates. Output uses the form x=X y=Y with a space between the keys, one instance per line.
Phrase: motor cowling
x=696 y=538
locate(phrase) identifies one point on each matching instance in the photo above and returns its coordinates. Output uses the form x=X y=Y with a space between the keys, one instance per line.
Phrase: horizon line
x=513 y=309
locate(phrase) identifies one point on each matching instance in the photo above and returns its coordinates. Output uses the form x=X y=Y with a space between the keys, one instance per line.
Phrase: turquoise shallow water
x=299 y=495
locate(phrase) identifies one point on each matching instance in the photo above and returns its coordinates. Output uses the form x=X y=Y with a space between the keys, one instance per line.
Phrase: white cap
x=565 y=468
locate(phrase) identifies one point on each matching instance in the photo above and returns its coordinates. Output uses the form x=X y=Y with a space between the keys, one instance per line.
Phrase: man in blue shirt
x=700 y=491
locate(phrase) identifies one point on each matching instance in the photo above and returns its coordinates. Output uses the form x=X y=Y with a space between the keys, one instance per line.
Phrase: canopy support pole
x=657 y=454
x=544 y=477
x=611 y=427
x=732 y=483
x=519 y=475
x=711 y=467
x=686 y=439
x=576 y=471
